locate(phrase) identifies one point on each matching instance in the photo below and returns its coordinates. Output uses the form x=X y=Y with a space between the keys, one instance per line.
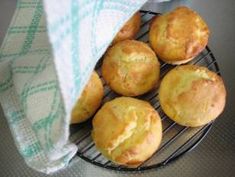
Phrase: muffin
x=89 y=100
x=192 y=95
x=178 y=36
x=127 y=131
x=130 y=68
x=130 y=29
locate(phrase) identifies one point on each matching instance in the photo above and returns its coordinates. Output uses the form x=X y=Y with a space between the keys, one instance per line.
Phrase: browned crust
x=179 y=35
x=192 y=101
x=130 y=68
x=136 y=122
x=89 y=100
x=130 y=29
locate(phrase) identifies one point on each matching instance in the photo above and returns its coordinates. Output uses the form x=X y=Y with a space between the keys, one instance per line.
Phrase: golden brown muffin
x=130 y=68
x=89 y=100
x=178 y=36
x=192 y=95
x=127 y=131
x=130 y=29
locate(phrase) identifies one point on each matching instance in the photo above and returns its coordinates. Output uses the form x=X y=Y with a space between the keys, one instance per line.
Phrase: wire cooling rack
x=177 y=140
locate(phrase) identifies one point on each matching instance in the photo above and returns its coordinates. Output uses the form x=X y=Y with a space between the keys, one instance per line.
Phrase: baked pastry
x=130 y=29
x=192 y=95
x=178 y=36
x=127 y=131
x=130 y=68
x=89 y=100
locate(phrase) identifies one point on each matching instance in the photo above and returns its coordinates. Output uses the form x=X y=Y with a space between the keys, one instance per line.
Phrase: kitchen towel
x=41 y=80
x=46 y=58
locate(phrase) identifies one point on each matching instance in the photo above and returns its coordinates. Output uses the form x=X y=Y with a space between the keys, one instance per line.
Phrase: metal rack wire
x=177 y=140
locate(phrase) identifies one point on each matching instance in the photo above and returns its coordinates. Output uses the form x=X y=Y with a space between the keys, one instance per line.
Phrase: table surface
x=213 y=157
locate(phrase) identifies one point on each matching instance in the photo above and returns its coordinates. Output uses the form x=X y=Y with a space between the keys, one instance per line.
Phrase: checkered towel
x=41 y=80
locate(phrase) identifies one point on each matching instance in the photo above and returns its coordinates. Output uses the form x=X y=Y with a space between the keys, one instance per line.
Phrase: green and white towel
x=41 y=80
